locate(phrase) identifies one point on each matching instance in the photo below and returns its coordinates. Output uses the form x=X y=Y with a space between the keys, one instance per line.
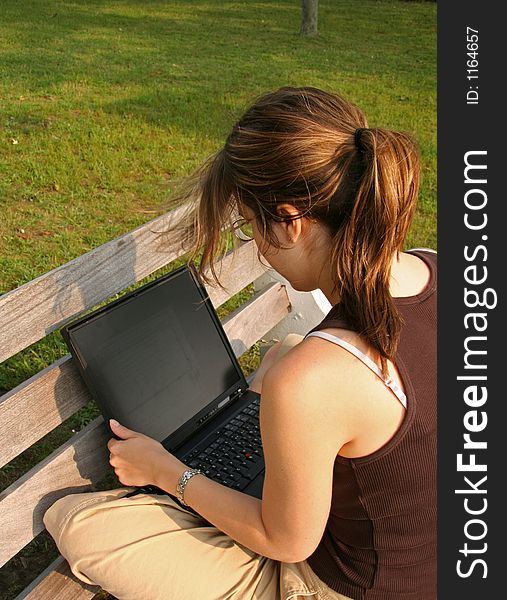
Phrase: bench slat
x=38 y=405
x=58 y=583
x=83 y=459
x=236 y=270
x=41 y=403
x=47 y=302
x=79 y=462
x=260 y=314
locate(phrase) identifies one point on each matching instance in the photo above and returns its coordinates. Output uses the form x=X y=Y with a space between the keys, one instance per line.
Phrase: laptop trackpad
x=254 y=488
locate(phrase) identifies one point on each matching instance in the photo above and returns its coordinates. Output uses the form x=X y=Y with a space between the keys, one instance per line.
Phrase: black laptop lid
x=157 y=359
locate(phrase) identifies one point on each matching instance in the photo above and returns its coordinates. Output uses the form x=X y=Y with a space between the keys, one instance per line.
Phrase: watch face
x=184 y=478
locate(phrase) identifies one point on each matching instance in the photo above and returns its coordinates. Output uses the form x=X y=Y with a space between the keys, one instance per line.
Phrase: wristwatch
x=186 y=476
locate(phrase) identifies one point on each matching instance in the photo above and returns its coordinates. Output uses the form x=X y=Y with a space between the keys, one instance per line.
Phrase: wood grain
x=58 y=583
x=73 y=467
x=256 y=317
x=235 y=271
x=37 y=406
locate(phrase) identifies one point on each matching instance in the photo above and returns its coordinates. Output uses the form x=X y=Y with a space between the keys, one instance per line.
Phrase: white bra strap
x=391 y=384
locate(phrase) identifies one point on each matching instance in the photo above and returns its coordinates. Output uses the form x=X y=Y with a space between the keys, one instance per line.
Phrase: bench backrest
x=38 y=405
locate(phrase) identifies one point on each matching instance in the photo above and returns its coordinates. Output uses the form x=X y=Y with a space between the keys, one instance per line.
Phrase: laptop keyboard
x=233 y=454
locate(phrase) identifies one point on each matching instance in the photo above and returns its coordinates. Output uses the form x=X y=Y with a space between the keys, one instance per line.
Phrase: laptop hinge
x=237 y=393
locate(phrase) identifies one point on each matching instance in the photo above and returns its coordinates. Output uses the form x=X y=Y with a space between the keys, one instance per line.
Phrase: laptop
x=158 y=361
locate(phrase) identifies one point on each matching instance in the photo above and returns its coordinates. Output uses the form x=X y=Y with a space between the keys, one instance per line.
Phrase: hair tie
x=357 y=139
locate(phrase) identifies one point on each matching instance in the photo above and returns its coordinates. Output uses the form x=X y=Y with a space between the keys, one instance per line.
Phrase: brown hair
x=298 y=145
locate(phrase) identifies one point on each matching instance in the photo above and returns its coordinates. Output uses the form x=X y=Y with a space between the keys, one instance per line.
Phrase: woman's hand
x=139 y=460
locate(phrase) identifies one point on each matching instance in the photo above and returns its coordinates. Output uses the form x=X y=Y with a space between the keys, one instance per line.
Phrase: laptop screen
x=157 y=358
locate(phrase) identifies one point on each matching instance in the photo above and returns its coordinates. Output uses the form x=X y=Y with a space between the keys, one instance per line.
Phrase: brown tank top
x=380 y=538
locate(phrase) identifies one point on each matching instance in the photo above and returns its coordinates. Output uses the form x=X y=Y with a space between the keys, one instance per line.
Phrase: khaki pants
x=147 y=547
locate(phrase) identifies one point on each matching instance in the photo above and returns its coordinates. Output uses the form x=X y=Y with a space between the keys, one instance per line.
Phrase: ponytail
x=364 y=246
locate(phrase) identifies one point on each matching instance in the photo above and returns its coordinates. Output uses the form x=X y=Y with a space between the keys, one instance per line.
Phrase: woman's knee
x=59 y=513
x=74 y=533
x=74 y=521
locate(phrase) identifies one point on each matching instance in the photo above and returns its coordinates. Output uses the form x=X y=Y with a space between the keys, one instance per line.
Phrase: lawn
x=106 y=104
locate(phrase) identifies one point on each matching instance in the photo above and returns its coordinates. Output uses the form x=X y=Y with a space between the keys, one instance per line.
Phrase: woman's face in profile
x=294 y=260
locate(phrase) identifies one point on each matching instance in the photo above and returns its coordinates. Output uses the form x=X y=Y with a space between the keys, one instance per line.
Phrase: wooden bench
x=41 y=403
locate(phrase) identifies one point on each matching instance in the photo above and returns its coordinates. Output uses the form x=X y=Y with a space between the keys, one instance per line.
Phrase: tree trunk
x=309 y=17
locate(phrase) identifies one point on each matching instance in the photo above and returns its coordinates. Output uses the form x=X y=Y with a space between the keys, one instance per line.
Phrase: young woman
x=348 y=414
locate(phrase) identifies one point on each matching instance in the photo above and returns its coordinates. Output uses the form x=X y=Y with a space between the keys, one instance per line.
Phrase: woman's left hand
x=139 y=460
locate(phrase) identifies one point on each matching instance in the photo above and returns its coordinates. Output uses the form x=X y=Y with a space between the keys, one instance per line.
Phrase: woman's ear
x=291 y=225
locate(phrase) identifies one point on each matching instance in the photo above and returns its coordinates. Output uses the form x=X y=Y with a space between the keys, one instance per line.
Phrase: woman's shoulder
x=327 y=383
x=315 y=369
x=307 y=386
x=313 y=360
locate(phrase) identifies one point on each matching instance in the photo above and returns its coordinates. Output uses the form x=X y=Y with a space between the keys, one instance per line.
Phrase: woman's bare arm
x=300 y=443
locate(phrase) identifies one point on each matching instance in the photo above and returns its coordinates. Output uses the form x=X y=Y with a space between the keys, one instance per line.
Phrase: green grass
x=105 y=104
x=110 y=102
